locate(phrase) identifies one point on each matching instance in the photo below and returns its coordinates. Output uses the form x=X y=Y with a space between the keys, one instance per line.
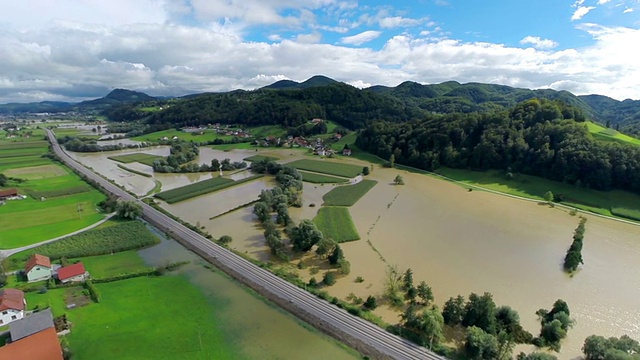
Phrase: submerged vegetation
x=574 y=254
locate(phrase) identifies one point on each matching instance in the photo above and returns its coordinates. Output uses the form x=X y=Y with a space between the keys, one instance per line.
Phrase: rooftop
x=37 y=259
x=71 y=271
x=40 y=346
x=31 y=324
x=11 y=299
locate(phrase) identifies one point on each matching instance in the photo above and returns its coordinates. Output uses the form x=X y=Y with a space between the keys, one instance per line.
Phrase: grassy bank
x=103 y=266
x=600 y=202
x=104 y=240
x=134 y=171
x=610 y=135
x=336 y=224
x=349 y=194
x=327 y=167
x=260 y=158
x=201 y=188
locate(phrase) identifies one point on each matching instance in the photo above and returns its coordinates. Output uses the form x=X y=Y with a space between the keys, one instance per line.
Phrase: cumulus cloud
x=399 y=21
x=581 y=11
x=539 y=43
x=361 y=38
x=72 y=61
x=627 y=10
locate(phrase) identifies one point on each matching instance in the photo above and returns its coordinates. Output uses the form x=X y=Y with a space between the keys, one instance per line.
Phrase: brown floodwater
x=254 y=327
x=461 y=242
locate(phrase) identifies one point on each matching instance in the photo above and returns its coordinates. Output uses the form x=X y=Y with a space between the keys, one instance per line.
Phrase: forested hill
x=537 y=137
x=339 y=102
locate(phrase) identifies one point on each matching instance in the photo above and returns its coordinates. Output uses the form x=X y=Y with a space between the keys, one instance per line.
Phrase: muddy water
x=256 y=329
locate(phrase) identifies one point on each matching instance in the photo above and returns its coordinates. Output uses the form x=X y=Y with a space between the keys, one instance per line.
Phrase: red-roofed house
x=73 y=273
x=7 y=193
x=38 y=268
x=12 y=305
x=43 y=345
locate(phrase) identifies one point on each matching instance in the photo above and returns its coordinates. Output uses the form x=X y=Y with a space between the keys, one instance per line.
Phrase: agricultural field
x=208 y=135
x=58 y=202
x=234 y=146
x=600 y=202
x=134 y=171
x=321 y=179
x=131 y=321
x=201 y=188
x=23 y=152
x=602 y=133
x=336 y=224
x=348 y=195
x=142 y=158
x=633 y=214
x=260 y=158
x=327 y=167
x=121 y=236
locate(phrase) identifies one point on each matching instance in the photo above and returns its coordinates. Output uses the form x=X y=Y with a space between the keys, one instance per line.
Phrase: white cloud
x=627 y=10
x=399 y=21
x=539 y=43
x=602 y=2
x=581 y=11
x=312 y=38
x=361 y=38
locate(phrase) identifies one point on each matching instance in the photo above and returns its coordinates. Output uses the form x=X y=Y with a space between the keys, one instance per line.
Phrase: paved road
x=297 y=300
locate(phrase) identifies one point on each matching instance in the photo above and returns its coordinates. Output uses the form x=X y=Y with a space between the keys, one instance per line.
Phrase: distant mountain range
x=409 y=97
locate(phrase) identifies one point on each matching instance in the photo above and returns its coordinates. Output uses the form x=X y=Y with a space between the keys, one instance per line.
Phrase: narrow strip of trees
x=574 y=254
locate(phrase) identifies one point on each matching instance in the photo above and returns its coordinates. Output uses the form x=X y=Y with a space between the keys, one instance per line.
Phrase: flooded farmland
x=255 y=328
x=461 y=242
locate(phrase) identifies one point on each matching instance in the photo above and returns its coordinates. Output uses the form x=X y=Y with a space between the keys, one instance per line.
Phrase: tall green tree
x=425 y=293
x=3 y=180
x=128 y=209
x=480 y=345
x=480 y=311
x=454 y=310
x=305 y=235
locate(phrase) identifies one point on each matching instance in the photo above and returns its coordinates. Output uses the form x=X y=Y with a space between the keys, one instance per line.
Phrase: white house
x=38 y=268
x=12 y=305
x=73 y=273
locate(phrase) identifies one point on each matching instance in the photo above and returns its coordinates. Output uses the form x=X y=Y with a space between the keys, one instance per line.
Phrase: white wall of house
x=78 y=278
x=7 y=316
x=38 y=273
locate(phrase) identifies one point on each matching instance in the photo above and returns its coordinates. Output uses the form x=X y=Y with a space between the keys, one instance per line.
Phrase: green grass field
x=327 y=167
x=321 y=179
x=134 y=171
x=600 y=202
x=208 y=135
x=633 y=214
x=348 y=195
x=201 y=188
x=102 y=266
x=260 y=158
x=142 y=158
x=336 y=224
x=121 y=236
x=602 y=133
x=229 y=147
x=162 y=317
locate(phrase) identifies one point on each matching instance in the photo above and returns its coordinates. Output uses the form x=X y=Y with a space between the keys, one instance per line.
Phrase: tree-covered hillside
x=537 y=137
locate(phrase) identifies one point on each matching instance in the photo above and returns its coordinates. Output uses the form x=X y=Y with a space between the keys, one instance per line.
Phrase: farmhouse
x=346 y=152
x=73 y=273
x=43 y=345
x=8 y=193
x=38 y=268
x=12 y=305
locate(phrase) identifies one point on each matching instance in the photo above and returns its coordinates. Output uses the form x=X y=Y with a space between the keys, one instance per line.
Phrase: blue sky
x=80 y=49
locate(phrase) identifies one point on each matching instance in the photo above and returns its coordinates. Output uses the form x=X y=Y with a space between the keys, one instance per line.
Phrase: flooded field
x=461 y=242
x=255 y=328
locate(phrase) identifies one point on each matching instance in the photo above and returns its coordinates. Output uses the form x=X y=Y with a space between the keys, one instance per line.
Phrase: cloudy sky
x=73 y=50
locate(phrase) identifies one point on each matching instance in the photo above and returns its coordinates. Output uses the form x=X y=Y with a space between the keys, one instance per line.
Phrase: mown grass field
x=321 y=179
x=327 y=167
x=348 y=195
x=260 y=158
x=70 y=203
x=336 y=224
x=102 y=266
x=600 y=202
x=208 y=135
x=143 y=318
x=142 y=158
x=602 y=133
x=201 y=188
x=121 y=236
x=229 y=147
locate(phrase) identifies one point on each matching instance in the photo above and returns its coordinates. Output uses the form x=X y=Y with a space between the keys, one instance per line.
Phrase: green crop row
x=134 y=171
x=142 y=158
x=260 y=158
x=321 y=179
x=626 y=213
x=336 y=224
x=120 y=237
x=200 y=188
x=349 y=194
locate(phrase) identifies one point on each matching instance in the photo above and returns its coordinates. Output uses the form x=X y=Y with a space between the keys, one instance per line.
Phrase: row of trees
x=574 y=253
x=79 y=144
x=216 y=165
x=537 y=137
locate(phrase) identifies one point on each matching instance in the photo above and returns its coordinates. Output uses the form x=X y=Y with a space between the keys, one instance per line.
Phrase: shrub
x=329 y=278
